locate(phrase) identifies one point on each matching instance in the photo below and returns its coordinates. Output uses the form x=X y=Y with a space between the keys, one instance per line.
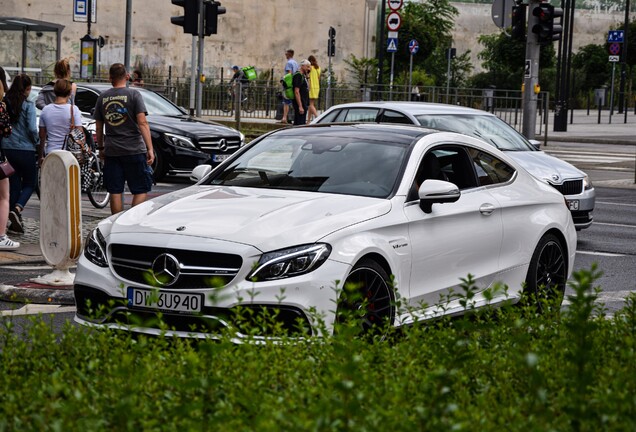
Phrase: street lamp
x=370 y=6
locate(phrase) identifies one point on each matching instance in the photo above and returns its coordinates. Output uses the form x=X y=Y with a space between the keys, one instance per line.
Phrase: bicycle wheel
x=96 y=191
x=227 y=102
x=249 y=105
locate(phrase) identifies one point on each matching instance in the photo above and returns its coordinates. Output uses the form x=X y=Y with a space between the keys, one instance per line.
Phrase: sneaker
x=16 y=222
x=6 y=243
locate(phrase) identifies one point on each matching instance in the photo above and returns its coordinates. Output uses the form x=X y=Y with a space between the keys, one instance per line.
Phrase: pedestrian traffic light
x=212 y=11
x=546 y=29
x=518 y=27
x=331 y=44
x=190 y=18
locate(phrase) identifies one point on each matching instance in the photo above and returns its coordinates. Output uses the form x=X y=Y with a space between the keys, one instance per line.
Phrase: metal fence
x=263 y=99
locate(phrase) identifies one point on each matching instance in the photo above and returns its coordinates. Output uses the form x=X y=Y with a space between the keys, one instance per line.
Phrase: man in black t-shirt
x=126 y=144
x=301 y=93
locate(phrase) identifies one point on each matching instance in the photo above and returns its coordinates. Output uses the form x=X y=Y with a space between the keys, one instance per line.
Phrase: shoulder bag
x=6 y=170
x=75 y=141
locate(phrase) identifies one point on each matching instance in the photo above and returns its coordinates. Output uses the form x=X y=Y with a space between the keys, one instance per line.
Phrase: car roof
x=101 y=87
x=415 y=108
x=398 y=133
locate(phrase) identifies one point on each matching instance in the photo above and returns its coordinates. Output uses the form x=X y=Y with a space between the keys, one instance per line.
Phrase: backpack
x=249 y=72
x=288 y=86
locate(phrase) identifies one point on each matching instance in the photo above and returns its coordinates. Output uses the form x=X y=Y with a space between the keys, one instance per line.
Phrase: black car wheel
x=159 y=165
x=547 y=274
x=367 y=299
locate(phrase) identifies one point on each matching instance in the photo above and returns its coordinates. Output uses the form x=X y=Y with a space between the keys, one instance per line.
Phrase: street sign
x=414 y=47
x=393 y=21
x=614 y=59
x=616 y=36
x=615 y=49
x=392 y=34
x=395 y=5
x=501 y=13
x=392 y=45
x=80 y=10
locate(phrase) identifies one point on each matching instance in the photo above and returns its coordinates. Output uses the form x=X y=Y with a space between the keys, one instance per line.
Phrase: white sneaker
x=8 y=244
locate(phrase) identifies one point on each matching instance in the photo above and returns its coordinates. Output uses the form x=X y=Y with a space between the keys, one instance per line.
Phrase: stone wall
x=254 y=32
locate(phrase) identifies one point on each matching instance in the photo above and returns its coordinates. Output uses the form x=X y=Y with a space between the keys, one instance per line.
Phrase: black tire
x=96 y=191
x=159 y=165
x=367 y=298
x=547 y=274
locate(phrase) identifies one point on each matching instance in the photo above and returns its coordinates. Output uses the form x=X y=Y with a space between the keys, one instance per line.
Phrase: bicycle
x=247 y=101
x=91 y=176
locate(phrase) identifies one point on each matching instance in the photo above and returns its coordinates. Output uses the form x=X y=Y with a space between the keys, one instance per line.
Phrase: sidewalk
x=30 y=254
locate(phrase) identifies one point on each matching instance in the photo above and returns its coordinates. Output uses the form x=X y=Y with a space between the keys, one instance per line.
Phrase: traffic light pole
x=200 y=62
x=193 y=79
x=531 y=79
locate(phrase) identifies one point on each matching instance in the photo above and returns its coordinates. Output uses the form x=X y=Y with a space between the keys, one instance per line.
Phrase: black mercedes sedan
x=181 y=142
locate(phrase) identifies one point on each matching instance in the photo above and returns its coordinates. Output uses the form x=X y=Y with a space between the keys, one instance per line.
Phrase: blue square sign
x=616 y=36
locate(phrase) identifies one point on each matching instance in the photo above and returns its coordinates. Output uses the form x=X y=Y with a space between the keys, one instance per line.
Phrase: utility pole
x=128 y=41
x=622 y=100
x=531 y=75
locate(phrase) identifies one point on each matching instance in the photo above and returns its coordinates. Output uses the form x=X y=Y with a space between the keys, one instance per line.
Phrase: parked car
x=279 y=224
x=573 y=183
x=181 y=142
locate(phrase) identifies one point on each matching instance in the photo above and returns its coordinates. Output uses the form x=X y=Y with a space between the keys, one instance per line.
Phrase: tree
x=362 y=70
x=591 y=66
x=504 y=59
x=431 y=25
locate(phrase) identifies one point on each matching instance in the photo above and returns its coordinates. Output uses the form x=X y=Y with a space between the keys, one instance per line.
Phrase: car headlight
x=587 y=183
x=95 y=248
x=180 y=141
x=242 y=139
x=290 y=262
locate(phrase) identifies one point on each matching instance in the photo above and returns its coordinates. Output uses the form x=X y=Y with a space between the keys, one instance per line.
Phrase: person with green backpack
x=291 y=67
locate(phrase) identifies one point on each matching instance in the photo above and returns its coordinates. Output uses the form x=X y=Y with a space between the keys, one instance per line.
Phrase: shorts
x=130 y=169
x=287 y=101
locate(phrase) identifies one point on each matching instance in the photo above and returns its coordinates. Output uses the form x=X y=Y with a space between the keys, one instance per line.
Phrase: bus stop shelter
x=26 y=26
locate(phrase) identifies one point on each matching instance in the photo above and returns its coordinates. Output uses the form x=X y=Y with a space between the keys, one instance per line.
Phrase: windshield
x=488 y=128
x=332 y=164
x=158 y=105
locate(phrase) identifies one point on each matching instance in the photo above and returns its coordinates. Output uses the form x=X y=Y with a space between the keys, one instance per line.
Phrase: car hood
x=266 y=219
x=546 y=167
x=189 y=126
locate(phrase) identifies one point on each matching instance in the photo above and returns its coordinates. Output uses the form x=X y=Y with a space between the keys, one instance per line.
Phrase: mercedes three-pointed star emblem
x=166 y=269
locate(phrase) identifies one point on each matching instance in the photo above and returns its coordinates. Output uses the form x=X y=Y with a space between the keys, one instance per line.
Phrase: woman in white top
x=55 y=120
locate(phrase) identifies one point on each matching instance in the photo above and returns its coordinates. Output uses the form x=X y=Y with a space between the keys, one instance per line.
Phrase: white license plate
x=219 y=158
x=165 y=300
x=573 y=204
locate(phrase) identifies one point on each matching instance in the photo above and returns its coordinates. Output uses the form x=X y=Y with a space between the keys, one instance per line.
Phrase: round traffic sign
x=414 y=47
x=393 y=21
x=395 y=5
x=615 y=48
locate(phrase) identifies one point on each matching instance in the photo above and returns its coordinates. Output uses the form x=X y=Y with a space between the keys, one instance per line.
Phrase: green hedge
x=502 y=369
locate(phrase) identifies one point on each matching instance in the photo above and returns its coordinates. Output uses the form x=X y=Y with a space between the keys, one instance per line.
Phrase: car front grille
x=571 y=187
x=220 y=144
x=196 y=269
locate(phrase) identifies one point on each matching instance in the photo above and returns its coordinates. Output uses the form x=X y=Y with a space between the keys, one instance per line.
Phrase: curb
x=40 y=295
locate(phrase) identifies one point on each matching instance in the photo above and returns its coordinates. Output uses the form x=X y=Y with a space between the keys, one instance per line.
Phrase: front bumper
x=299 y=306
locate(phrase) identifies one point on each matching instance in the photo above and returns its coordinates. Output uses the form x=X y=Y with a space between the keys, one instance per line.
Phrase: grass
x=493 y=370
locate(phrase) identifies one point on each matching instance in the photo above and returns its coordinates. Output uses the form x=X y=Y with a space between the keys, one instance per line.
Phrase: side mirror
x=536 y=144
x=437 y=191
x=199 y=172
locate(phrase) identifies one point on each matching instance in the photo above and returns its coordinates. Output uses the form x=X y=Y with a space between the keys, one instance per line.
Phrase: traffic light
x=212 y=11
x=331 y=44
x=518 y=28
x=190 y=18
x=546 y=29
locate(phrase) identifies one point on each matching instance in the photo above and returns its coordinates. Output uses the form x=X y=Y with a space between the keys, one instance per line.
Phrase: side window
x=490 y=169
x=331 y=117
x=361 y=115
x=85 y=100
x=389 y=116
x=449 y=163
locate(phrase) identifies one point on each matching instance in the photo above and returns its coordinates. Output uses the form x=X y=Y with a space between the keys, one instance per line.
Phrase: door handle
x=486 y=209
